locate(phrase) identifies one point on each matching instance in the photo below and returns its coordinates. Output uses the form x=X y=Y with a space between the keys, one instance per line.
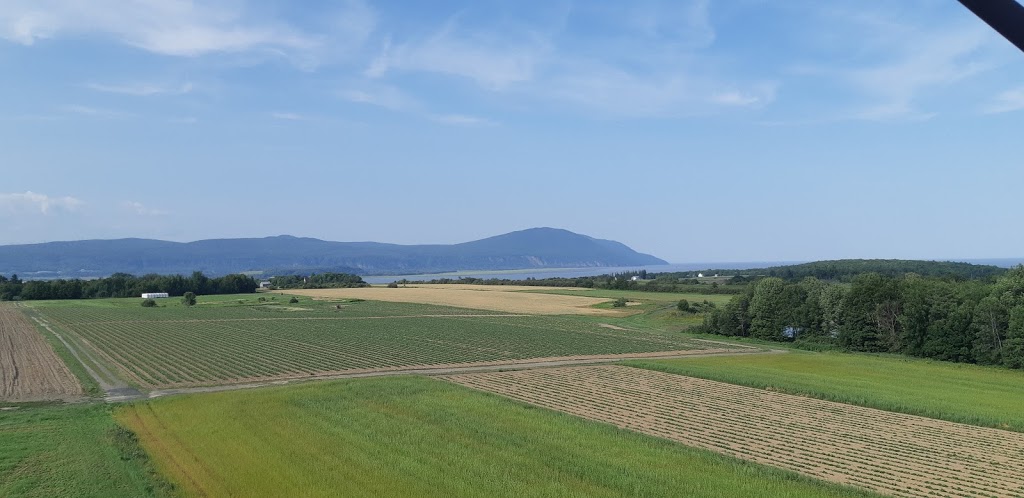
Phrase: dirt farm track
x=891 y=453
x=29 y=369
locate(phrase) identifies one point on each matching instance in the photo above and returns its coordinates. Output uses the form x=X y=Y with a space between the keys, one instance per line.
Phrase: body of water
x=541 y=273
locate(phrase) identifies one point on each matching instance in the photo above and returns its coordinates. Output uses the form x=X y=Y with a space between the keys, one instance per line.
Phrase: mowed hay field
x=239 y=339
x=29 y=368
x=892 y=453
x=508 y=299
x=988 y=396
x=417 y=436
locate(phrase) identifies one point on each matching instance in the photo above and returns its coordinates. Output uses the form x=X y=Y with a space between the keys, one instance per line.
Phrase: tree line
x=846 y=269
x=124 y=285
x=649 y=282
x=318 y=281
x=970 y=321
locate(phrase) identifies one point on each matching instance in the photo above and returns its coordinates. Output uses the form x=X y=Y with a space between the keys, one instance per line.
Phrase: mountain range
x=284 y=254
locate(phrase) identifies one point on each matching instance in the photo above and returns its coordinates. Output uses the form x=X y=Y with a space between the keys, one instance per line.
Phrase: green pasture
x=957 y=392
x=415 y=436
x=72 y=451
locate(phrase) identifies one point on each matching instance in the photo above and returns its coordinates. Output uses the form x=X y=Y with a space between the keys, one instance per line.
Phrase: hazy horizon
x=693 y=131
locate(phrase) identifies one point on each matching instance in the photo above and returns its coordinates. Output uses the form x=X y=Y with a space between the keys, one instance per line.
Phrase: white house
x=700 y=275
x=265 y=284
x=154 y=295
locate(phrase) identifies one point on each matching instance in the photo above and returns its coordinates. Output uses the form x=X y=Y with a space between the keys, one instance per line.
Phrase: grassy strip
x=72 y=450
x=415 y=436
x=970 y=394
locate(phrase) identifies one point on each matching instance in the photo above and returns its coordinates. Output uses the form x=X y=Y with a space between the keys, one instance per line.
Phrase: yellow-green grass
x=986 y=396
x=417 y=436
x=72 y=451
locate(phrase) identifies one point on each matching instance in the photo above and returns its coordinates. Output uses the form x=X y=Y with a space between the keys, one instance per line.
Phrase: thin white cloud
x=894 y=63
x=167 y=27
x=686 y=23
x=31 y=202
x=1008 y=101
x=494 y=62
x=381 y=95
x=649 y=62
x=732 y=98
x=142 y=210
x=288 y=116
x=95 y=112
x=142 y=89
x=463 y=120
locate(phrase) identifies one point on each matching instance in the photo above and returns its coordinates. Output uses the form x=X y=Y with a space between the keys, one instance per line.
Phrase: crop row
x=128 y=310
x=165 y=353
x=893 y=453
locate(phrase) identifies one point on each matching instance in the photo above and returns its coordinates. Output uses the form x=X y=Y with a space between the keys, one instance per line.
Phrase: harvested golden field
x=891 y=453
x=481 y=297
x=29 y=369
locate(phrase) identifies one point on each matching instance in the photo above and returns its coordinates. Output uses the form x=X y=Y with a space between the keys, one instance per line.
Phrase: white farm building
x=154 y=295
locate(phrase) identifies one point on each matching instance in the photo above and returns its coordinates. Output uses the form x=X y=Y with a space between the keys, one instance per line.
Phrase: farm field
x=892 y=453
x=656 y=297
x=416 y=436
x=74 y=450
x=225 y=342
x=29 y=368
x=957 y=392
x=480 y=297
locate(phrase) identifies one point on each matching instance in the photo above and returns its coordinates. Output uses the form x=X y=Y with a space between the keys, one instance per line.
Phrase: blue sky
x=734 y=130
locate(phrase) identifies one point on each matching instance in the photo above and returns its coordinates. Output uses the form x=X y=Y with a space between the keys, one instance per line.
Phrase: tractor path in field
x=529 y=364
x=115 y=389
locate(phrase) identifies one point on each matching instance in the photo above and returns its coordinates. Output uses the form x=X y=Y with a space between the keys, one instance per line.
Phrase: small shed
x=154 y=295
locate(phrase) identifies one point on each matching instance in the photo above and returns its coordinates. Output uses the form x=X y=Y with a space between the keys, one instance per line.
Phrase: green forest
x=974 y=321
x=123 y=285
x=318 y=281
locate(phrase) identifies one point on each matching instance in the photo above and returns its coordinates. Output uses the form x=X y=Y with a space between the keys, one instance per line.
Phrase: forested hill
x=532 y=248
x=846 y=269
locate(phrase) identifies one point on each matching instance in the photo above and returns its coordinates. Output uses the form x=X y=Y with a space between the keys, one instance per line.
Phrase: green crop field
x=970 y=394
x=224 y=341
x=48 y=451
x=415 y=436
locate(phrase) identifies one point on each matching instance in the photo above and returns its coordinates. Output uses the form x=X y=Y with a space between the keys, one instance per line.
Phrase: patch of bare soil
x=29 y=369
x=890 y=453
x=479 y=297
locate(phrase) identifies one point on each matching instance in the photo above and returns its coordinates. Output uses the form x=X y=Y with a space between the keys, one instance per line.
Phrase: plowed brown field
x=29 y=369
x=480 y=297
x=891 y=453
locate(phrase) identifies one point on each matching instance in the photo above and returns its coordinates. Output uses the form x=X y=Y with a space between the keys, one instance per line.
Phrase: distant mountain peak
x=541 y=247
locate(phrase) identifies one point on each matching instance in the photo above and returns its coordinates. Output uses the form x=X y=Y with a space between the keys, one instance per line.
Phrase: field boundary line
x=283 y=318
x=530 y=364
x=115 y=389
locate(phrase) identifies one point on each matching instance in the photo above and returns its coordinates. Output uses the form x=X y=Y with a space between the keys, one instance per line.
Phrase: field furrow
x=178 y=347
x=891 y=453
x=29 y=368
